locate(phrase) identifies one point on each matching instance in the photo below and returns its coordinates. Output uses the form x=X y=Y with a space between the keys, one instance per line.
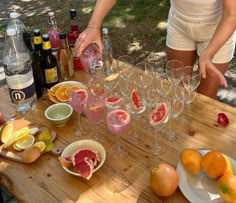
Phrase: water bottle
x=18 y=71
x=16 y=23
x=107 y=55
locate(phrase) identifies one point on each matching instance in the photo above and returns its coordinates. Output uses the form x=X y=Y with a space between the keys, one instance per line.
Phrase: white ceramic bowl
x=59 y=114
x=89 y=144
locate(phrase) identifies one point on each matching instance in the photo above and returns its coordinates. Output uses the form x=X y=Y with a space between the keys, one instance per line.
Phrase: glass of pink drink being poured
x=118 y=122
x=77 y=100
x=94 y=110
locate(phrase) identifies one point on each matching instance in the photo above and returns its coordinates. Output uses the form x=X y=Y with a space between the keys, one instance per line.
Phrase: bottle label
x=37 y=40
x=19 y=95
x=46 y=45
x=51 y=75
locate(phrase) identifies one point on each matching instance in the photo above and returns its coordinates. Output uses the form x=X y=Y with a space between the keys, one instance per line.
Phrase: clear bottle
x=36 y=60
x=72 y=36
x=16 y=23
x=65 y=58
x=107 y=54
x=48 y=64
x=18 y=71
x=53 y=33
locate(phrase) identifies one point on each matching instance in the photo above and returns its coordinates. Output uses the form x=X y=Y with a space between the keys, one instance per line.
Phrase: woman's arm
x=92 y=33
x=223 y=32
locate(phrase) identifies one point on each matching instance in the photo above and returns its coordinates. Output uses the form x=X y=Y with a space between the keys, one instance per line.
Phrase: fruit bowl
x=74 y=147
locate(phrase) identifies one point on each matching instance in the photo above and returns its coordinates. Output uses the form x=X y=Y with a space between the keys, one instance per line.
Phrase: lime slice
x=41 y=145
x=25 y=142
x=6 y=132
x=44 y=135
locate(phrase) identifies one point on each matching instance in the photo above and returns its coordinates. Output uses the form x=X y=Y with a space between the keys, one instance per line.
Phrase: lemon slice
x=6 y=132
x=25 y=142
x=23 y=132
x=41 y=145
x=16 y=148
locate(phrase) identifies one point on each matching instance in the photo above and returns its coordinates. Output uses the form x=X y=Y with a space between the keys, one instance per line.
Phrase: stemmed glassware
x=125 y=64
x=144 y=75
x=159 y=117
x=158 y=63
x=77 y=100
x=94 y=110
x=118 y=122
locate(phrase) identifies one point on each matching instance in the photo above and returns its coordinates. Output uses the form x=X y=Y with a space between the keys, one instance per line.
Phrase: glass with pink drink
x=94 y=110
x=118 y=122
x=77 y=100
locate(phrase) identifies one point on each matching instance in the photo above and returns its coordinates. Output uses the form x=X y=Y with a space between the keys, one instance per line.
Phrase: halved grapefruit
x=113 y=100
x=85 y=168
x=159 y=114
x=135 y=98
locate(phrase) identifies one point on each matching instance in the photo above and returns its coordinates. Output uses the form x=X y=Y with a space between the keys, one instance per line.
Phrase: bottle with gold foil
x=65 y=58
x=49 y=64
x=36 y=59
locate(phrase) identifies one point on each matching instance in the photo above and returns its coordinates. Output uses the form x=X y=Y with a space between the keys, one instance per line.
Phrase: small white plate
x=74 y=83
x=199 y=188
x=89 y=144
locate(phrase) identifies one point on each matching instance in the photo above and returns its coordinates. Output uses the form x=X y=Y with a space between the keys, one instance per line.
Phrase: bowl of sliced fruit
x=82 y=158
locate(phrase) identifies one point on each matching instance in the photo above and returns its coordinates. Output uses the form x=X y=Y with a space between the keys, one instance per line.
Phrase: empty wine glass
x=158 y=64
x=159 y=117
x=144 y=75
x=174 y=71
x=125 y=64
x=118 y=122
x=94 y=110
x=77 y=100
x=111 y=81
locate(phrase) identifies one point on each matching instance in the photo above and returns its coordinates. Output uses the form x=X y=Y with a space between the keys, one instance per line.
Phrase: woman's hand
x=88 y=36
x=206 y=66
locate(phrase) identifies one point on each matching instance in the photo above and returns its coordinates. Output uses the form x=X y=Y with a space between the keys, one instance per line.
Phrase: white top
x=197 y=10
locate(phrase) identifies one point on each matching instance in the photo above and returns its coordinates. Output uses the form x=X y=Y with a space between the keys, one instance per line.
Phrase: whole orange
x=226 y=187
x=191 y=160
x=164 y=180
x=214 y=164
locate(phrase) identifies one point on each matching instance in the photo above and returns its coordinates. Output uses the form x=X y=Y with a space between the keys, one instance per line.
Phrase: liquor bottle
x=27 y=40
x=18 y=71
x=72 y=36
x=48 y=64
x=36 y=59
x=65 y=58
x=53 y=33
x=107 y=55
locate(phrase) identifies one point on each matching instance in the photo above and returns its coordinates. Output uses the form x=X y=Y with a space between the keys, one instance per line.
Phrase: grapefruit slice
x=85 y=168
x=65 y=161
x=124 y=117
x=112 y=77
x=82 y=94
x=83 y=154
x=113 y=100
x=159 y=114
x=135 y=98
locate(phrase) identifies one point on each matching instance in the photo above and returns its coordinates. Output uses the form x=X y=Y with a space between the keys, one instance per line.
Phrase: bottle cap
x=36 y=32
x=14 y=15
x=62 y=35
x=45 y=37
x=105 y=30
x=73 y=13
x=11 y=31
x=51 y=13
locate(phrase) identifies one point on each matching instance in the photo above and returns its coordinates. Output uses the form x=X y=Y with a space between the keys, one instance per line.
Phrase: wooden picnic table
x=46 y=181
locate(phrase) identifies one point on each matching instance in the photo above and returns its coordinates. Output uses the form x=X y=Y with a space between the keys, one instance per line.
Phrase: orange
x=191 y=161
x=61 y=94
x=70 y=89
x=214 y=164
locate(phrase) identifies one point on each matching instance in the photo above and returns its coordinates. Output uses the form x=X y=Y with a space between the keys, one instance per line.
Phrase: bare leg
x=209 y=86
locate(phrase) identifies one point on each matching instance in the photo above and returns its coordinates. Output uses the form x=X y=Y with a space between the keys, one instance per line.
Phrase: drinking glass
x=158 y=62
x=111 y=81
x=118 y=122
x=159 y=148
x=174 y=71
x=143 y=76
x=125 y=64
x=77 y=100
x=94 y=110
x=96 y=86
x=114 y=99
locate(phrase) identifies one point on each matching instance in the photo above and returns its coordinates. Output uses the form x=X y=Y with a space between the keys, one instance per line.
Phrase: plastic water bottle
x=18 y=71
x=16 y=23
x=107 y=55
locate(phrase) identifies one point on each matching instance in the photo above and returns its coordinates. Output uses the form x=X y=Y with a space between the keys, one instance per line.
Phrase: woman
x=204 y=28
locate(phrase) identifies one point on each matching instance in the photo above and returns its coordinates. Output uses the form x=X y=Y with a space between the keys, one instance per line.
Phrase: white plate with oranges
x=60 y=92
x=199 y=188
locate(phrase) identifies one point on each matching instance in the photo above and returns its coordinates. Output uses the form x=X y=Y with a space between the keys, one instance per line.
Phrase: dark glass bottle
x=65 y=58
x=36 y=58
x=49 y=64
x=72 y=36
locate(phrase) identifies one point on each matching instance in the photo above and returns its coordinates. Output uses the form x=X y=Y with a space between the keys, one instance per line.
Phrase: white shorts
x=189 y=36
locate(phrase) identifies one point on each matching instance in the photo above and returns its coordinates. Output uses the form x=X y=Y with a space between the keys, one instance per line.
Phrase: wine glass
x=144 y=75
x=114 y=99
x=176 y=99
x=159 y=117
x=94 y=110
x=125 y=64
x=174 y=71
x=158 y=62
x=96 y=86
x=118 y=122
x=77 y=100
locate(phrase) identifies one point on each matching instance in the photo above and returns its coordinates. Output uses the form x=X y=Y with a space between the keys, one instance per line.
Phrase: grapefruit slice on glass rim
x=113 y=100
x=135 y=99
x=123 y=115
x=159 y=114
x=82 y=94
